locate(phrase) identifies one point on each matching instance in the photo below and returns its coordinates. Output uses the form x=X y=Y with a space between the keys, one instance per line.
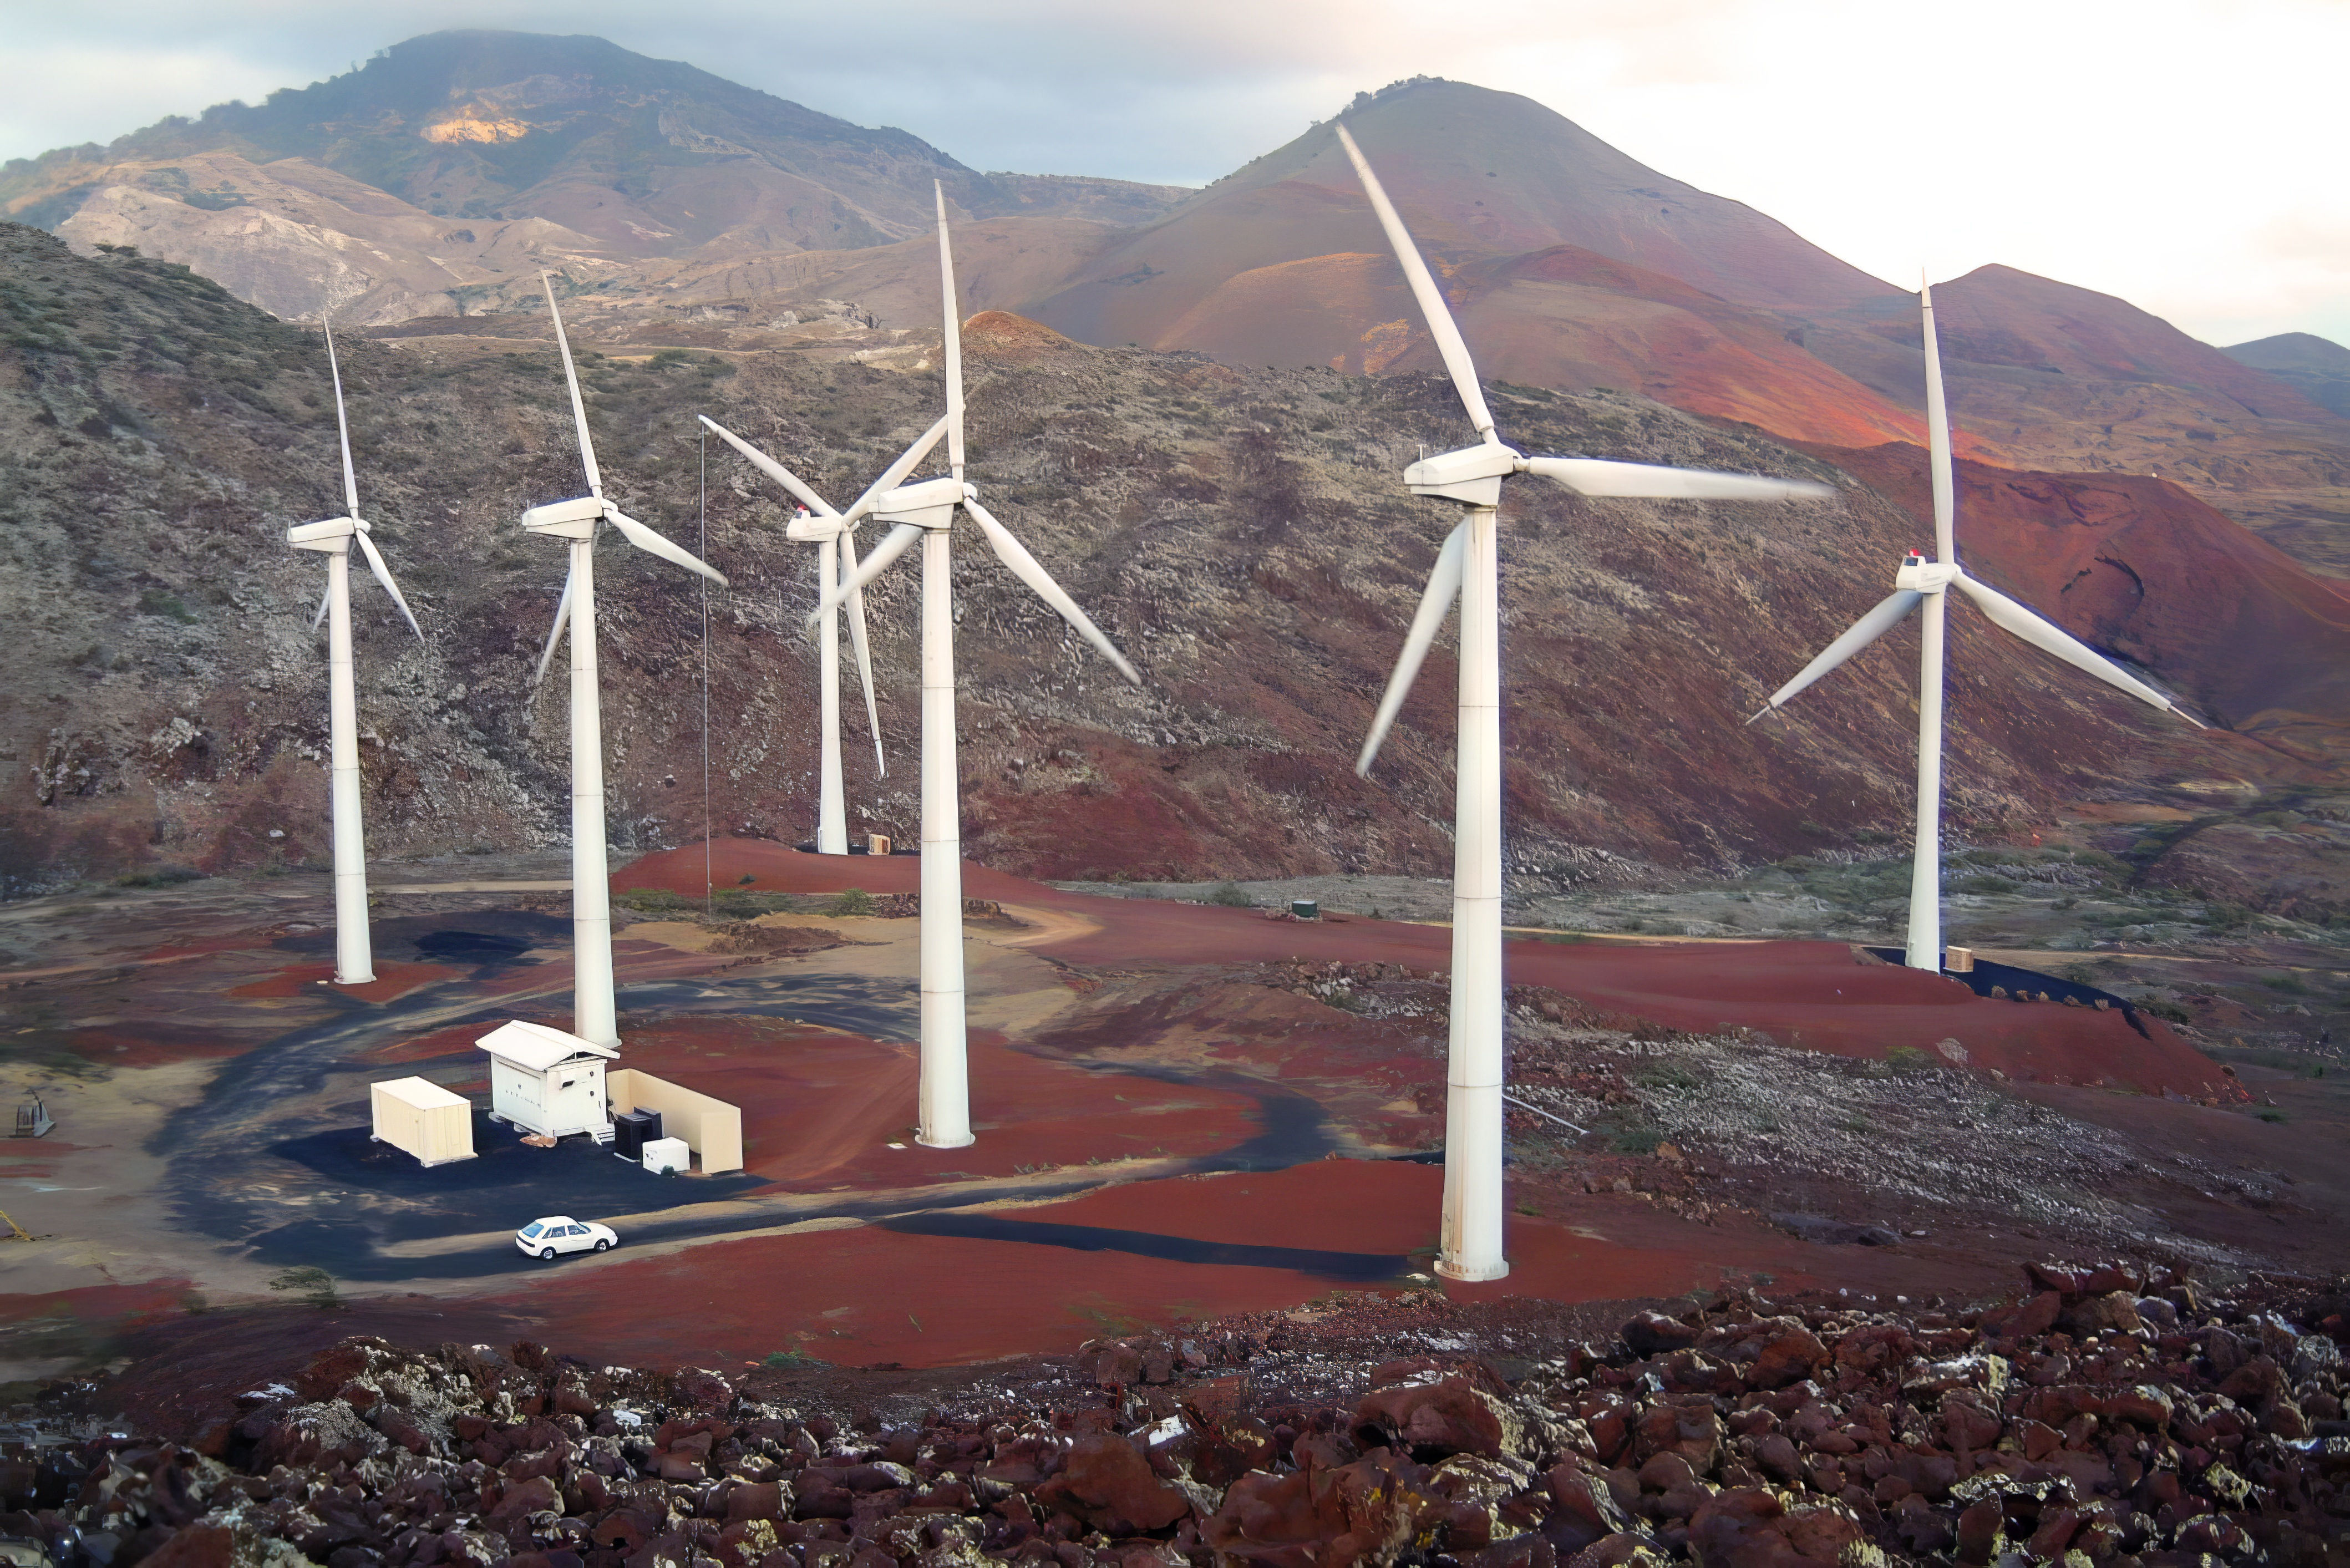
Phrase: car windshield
x=531 y=1229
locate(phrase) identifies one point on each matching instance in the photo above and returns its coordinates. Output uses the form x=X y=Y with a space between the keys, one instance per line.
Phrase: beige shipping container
x=712 y=1129
x=423 y=1118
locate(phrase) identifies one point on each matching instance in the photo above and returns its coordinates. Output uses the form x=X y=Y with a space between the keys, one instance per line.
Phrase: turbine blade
x=892 y=546
x=1864 y=631
x=857 y=641
x=652 y=544
x=1938 y=436
x=1025 y=567
x=555 y=633
x=1595 y=477
x=895 y=475
x=1435 y=604
x=343 y=424
x=578 y=409
x=954 y=338
x=774 y=469
x=383 y=575
x=325 y=600
x=2013 y=618
x=1438 y=315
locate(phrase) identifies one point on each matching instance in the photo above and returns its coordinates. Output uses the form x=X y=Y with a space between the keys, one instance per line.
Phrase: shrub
x=1907 y=1058
x=789 y=1359
x=2169 y=1012
x=853 y=901
x=1229 y=895
x=317 y=1286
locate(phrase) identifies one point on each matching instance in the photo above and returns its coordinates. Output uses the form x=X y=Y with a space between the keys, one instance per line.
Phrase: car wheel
x=545 y=1252
x=602 y=1245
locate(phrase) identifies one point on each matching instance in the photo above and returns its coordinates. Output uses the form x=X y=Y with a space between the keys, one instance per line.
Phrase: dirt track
x=1165 y=1131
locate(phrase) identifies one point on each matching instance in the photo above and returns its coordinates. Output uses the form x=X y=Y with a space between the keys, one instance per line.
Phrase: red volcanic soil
x=392 y=981
x=1813 y=995
x=1999 y=316
x=820 y=1109
x=2243 y=632
x=145 y=1044
x=110 y=1306
x=256 y=940
x=863 y=1295
x=1570 y=317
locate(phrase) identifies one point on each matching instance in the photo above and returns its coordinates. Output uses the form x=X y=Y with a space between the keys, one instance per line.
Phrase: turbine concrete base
x=1470 y=1273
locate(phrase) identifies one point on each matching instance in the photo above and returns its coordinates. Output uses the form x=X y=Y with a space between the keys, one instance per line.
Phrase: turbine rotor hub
x=1922 y=576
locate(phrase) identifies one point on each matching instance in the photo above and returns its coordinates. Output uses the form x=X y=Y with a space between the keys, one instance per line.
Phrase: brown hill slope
x=2057 y=378
x=1241 y=534
x=1477 y=173
x=2142 y=569
x=2318 y=367
x=430 y=153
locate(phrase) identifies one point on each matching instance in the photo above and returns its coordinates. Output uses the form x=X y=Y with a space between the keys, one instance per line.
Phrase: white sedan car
x=561 y=1233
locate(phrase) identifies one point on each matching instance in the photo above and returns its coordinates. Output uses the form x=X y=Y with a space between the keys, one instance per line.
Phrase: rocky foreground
x=2103 y=1417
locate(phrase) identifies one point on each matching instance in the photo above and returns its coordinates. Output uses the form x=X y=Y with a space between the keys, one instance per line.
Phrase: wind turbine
x=926 y=510
x=354 y=957
x=1468 y=568
x=1919 y=581
x=594 y=1015
x=834 y=533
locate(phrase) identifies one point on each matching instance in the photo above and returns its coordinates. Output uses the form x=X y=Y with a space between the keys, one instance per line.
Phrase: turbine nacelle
x=1471 y=476
x=572 y=519
x=1920 y=576
x=329 y=537
x=812 y=529
x=930 y=504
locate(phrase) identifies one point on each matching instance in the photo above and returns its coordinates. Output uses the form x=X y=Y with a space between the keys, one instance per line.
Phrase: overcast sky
x=2184 y=154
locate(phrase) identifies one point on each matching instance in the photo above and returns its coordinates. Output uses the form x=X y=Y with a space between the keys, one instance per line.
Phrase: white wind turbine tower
x=834 y=533
x=595 y=1016
x=1468 y=569
x=354 y=958
x=1917 y=582
x=926 y=510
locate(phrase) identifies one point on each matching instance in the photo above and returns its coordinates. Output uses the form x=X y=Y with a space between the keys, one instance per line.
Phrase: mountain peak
x=2293 y=351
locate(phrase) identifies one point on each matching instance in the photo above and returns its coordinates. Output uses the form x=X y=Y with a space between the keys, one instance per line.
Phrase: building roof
x=422 y=1093
x=538 y=1048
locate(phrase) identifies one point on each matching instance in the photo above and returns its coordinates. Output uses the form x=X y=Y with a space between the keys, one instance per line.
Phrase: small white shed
x=549 y=1081
x=421 y=1116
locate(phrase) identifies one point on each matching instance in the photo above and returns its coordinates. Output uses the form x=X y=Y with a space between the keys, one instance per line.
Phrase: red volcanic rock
x=524 y=1499
x=756 y=1500
x=1790 y=1355
x=1653 y=1333
x=2107 y=1313
x=1449 y=1417
x=196 y=1546
x=1110 y=1486
x=1749 y=1527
